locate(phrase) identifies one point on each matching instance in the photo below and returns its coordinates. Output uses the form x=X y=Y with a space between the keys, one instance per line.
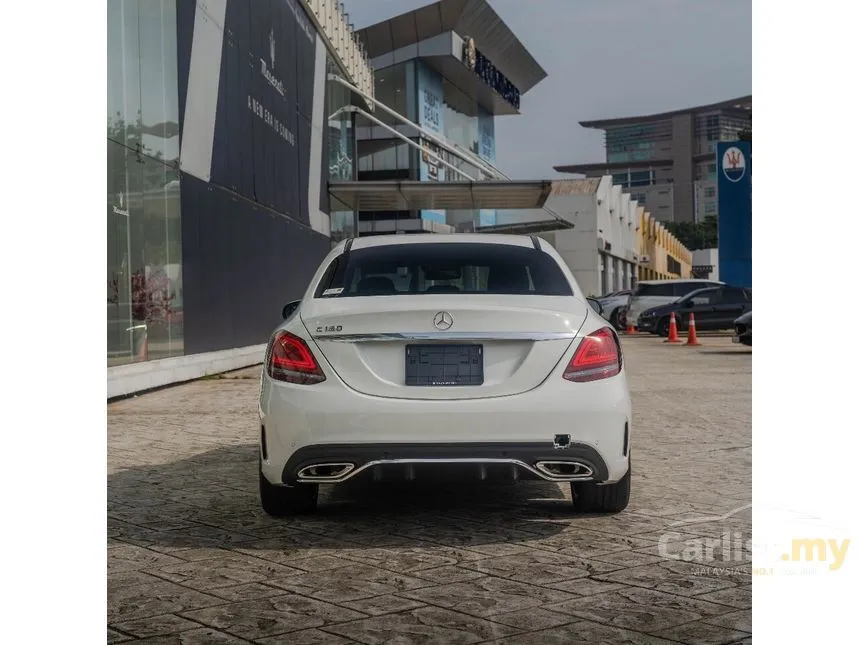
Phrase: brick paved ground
x=192 y=558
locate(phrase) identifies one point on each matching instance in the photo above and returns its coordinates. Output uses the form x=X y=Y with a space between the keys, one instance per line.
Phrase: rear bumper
x=573 y=462
x=647 y=324
x=336 y=423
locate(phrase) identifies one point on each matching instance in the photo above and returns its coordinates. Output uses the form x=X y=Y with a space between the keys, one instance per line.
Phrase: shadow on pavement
x=211 y=500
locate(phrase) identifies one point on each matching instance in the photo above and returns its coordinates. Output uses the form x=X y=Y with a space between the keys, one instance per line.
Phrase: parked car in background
x=653 y=293
x=613 y=304
x=714 y=308
x=743 y=329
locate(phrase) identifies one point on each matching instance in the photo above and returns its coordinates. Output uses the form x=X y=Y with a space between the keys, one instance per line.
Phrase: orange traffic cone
x=631 y=330
x=691 y=331
x=673 y=330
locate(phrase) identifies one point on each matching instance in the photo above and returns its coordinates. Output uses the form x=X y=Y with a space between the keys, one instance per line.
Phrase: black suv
x=715 y=308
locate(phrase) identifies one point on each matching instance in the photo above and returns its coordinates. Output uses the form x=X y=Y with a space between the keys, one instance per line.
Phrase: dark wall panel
x=241 y=264
x=247 y=245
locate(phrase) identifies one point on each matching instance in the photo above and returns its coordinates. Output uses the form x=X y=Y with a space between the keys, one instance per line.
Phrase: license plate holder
x=438 y=365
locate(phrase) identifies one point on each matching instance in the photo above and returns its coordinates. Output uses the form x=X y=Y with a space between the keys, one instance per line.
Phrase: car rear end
x=477 y=352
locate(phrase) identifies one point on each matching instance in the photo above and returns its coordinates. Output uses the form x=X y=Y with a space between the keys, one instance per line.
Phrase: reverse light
x=597 y=357
x=291 y=360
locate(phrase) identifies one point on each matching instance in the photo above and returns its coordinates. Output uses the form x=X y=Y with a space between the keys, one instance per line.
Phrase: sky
x=605 y=59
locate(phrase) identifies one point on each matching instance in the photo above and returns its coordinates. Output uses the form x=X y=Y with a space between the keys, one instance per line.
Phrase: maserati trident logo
x=734 y=164
x=443 y=321
x=272 y=46
x=265 y=68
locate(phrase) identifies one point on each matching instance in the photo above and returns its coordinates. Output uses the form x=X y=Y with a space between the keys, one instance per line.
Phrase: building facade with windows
x=661 y=254
x=667 y=162
x=451 y=68
x=223 y=130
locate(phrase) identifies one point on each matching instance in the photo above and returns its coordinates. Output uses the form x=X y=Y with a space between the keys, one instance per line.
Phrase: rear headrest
x=504 y=279
x=375 y=286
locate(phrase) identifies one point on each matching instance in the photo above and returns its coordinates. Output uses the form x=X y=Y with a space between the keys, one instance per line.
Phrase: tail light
x=291 y=360
x=598 y=356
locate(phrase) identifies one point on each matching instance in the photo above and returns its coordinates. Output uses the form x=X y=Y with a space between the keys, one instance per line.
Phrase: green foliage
x=695 y=235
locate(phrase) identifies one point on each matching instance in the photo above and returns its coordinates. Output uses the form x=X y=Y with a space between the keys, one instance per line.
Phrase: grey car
x=743 y=329
x=613 y=304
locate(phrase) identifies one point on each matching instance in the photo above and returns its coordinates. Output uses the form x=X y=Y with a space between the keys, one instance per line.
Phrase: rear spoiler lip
x=447 y=335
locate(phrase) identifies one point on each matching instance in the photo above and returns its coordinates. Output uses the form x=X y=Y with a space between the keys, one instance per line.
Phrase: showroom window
x=144 y=251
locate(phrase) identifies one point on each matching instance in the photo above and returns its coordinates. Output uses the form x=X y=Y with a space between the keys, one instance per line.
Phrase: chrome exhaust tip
x=327 y=472
x=564 y=470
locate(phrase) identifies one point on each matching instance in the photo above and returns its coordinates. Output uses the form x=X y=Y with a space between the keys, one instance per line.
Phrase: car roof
x=430 y=238
x=693 y=293
x=679 y=280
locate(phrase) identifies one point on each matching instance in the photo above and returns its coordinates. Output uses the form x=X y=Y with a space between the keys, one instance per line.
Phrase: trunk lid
x=365 y=339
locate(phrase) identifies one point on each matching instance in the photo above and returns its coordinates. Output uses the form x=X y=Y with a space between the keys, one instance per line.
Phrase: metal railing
x=332 y=22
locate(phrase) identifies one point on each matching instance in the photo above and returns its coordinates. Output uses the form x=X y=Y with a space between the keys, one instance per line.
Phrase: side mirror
x=290 y=308
x=689 y=304
x=595 y=304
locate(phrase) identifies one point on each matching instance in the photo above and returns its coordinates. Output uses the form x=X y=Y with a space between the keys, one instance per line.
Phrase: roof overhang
x=468 y=18
x=443 y=195
x=742 y=104
x=527 y=228
x=618 y=165
x=444 y=53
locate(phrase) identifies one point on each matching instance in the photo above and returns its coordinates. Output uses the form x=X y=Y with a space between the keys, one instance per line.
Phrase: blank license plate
x=444 y=365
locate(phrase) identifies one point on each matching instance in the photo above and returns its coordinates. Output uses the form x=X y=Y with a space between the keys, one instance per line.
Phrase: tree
x=695 y=235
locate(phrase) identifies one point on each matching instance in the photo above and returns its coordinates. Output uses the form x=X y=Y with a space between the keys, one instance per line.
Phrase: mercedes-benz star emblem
x=443 y=321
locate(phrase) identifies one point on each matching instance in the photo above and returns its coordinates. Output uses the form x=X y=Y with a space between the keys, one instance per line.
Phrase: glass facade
x=634 y=178
x=341 y=152
x=144 y=252
x=633 y=143
x=419 y=92
x=718 y=126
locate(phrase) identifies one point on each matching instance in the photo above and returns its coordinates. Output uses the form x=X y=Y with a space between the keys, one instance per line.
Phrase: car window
x=734 y=295
x=443 y=268
x=663 y=290
x=685 y=288
x=706 y=298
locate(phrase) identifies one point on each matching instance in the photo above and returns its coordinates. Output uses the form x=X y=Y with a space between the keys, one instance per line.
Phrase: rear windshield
x=671 y=289
x=428 y=268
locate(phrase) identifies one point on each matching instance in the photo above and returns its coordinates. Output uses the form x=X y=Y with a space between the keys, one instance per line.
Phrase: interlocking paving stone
x=672 y=577
x=584 y=632
x=193 y=559
x=271 y=616
x=487 y=596
x=739 y=620
x=733 y=596
x=639 y=609
x=305 y=637
x=424 y=625
x=202 y=636
x=163 y=625
x=702 y=633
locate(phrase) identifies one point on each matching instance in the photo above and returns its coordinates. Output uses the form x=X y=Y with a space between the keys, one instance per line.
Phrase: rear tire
x=610 y=498
x=280 y=501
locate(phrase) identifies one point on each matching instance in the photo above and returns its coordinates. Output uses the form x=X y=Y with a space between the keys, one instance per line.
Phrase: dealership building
x=246 y=138
x=452 y=67
x=219 y=154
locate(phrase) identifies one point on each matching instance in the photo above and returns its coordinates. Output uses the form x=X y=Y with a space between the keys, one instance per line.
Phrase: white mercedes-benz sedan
x=415 y=356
